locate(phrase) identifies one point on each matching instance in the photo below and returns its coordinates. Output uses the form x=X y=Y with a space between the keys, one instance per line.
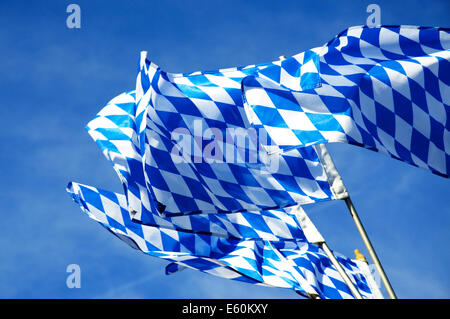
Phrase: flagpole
x=313 y=236
x=340 y=270
x=370 y=248
x=340 y=191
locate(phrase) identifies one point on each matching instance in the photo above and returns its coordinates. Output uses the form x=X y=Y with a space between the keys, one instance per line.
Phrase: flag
x=384 y=88
x=260 y=247
x=172 y=184
x=294 y=263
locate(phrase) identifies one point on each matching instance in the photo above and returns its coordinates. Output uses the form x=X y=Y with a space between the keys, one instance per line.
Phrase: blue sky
x=53 y=80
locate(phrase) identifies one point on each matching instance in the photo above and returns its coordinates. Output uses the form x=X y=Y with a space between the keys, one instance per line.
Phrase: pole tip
x=360 y=256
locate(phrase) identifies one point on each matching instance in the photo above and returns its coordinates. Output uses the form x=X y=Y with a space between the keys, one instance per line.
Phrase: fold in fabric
x=384 y=88
x=293 y=264
x=152 y=171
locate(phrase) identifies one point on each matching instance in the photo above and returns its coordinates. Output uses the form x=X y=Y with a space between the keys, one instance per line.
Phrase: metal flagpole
x=314 y=237
x=370 y=248
x=341 y=192
x=341 y=271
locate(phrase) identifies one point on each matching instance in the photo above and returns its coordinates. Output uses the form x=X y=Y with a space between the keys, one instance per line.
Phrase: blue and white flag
x=153 y=172
x=261 y=247
x=385 y=88
x=294 y=263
